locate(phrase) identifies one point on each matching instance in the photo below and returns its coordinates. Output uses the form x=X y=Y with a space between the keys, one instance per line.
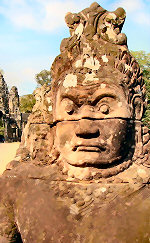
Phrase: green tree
x=143 y=59
x=1 y=127
x=26 y=103
x=44 y=77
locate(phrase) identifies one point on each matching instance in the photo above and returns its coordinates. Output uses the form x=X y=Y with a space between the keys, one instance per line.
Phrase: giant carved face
x=92 y=122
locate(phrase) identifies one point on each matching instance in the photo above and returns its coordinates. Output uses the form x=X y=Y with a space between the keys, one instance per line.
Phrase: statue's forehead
x=79 y=82
x=90 y=91
x=74 y=78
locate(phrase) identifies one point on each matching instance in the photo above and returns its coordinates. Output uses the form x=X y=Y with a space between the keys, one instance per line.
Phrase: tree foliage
x=1 y=127
x=26 y=103
x=44 y=77
x=143 y=59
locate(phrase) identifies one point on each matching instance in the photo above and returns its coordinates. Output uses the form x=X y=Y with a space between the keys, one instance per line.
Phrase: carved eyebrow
x=70 y=97
x=101 y=96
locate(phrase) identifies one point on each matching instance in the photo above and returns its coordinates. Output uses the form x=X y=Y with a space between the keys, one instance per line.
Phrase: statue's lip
x=89 y=148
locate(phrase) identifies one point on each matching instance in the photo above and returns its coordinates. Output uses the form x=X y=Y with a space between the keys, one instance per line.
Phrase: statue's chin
x=101 y=163
x=87 y=171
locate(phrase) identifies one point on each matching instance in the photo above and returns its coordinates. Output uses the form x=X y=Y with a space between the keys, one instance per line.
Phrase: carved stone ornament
x=82 y=171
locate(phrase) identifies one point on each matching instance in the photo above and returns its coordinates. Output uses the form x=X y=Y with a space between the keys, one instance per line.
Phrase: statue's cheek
x=64 y=134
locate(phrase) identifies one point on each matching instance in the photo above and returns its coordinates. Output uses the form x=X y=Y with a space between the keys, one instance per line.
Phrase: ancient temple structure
x=10 y=115
x=82 y=172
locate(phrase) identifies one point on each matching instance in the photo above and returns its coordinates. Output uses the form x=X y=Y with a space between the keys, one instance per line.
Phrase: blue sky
x=31 y=32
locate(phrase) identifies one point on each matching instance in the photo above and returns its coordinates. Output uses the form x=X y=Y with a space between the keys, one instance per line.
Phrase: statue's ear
x=137 y=104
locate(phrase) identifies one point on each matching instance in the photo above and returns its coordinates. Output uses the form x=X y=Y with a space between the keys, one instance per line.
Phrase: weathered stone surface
x=82 y=171
x=41 y=204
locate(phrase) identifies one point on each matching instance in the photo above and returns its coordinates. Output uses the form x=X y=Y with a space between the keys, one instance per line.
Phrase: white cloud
x=46 y=15
x=54 y=13
x=24 y=76
x=19 y=12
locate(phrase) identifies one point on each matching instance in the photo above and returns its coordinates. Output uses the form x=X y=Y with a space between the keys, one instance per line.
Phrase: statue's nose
x=87 y=129
x=87 y=111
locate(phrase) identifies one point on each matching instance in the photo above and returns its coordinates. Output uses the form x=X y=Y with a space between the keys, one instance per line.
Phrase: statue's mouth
x=91 y=148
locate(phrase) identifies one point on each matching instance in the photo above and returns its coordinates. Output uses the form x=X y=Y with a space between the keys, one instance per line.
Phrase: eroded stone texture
x=82 y=171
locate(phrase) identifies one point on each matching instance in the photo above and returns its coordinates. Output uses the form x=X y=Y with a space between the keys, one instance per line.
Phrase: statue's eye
x=69 y=106
x=69 y=109
x=104 y=108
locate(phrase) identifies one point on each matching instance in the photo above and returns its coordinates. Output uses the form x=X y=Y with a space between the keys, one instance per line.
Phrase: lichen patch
x=70 y=81
x=142 y=173
x=49 y=100
x=111 y=34
x=103 y=189
x=78 y=63
x=87 y=49
x=79 y=30
x=90 y=77
x=92 y=63
x=103 y=86
x=104 y=58
x=127 y=67
x=50 y=108
x=120 y=104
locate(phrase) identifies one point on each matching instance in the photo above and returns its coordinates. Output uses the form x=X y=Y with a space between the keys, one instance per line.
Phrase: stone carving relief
x=84 y=154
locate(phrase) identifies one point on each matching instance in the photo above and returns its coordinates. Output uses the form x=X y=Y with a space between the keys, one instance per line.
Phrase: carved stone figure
x=10 y=117
x=82 y=171
x=13 y=100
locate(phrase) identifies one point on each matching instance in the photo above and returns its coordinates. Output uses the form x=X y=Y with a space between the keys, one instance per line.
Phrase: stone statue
x=13 y=100
x=82 y=173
